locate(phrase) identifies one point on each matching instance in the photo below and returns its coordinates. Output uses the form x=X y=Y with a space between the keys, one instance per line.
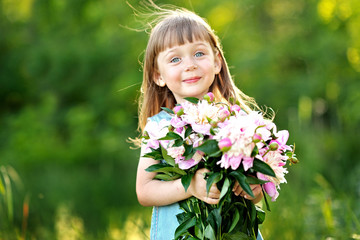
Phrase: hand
x=256 y=189
x=198 y=188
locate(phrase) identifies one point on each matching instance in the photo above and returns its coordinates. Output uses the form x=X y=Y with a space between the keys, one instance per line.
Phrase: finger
x=236 y=191
x=236 y=185
x=257 y=191
x=211 y=200
x=214 y=189
x=213 y=195
x=202 y=171
x=253 y=186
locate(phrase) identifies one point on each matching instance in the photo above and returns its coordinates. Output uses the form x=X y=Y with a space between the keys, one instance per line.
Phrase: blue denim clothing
x=163 y=220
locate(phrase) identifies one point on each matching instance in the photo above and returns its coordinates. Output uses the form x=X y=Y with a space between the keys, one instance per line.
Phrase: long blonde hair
x=176 y=27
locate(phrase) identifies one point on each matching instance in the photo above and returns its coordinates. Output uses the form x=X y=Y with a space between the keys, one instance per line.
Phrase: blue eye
x=175 y=60
x=199 y=54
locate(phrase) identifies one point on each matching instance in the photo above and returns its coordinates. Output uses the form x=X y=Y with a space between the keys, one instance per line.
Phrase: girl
x=183 y=58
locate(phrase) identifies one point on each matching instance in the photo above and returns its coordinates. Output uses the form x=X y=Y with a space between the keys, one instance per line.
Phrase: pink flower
x=194 y=139
x=186 y=164
x=223 y=114
x=179 y=130
x=227 y=161
x=225 y=144
x=235 y=108
x=177 y=122
x=201 y=128
x=178 y=110
x=256 y=138
x=269 y=187
x=176 y=152
x=224 y=161
x=282 y=137
x=271 y=190
x=247 y=162
x=209 y=97
x=151 y=144
x=235 y=162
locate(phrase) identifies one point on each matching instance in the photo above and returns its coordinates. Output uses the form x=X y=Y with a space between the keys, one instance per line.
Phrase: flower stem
x=248 y=213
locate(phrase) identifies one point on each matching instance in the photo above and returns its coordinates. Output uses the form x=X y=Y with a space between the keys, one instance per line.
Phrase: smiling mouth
x=192 y=80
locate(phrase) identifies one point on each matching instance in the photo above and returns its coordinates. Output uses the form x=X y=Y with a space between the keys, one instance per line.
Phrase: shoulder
x=160 y=116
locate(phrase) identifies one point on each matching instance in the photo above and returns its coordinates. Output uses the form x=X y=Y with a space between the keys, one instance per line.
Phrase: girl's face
x=188 y=70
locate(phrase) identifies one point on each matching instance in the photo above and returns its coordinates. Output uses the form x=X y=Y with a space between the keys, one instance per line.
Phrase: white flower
x=157 y=130
x=176 y=152
x=276 y=161
x=199 y=113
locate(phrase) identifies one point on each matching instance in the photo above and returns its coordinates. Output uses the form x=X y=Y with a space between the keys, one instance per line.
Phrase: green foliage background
x=69 y=79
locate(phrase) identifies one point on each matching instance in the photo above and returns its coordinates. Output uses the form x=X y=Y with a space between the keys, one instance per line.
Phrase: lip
x=192 y=80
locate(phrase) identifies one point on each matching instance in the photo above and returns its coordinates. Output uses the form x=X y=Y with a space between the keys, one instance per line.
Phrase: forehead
x=178 y=31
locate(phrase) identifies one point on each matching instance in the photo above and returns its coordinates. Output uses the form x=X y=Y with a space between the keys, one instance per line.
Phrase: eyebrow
x=173 y=49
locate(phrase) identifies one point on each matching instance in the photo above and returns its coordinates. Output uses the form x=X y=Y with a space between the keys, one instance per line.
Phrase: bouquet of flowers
x=234 y=146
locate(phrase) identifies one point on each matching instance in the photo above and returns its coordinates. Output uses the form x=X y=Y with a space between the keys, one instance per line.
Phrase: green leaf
x=261 y=166
x=236 y=236
x=188 y=150
x=213 y=178
x=178 y=143
x=199 y=230
x=211 y=220
x=209 y=147
x=154 y=154
x=241 y=178
x=215 y=154
x=166 y=157
x=252 y=212
x=235 y=220
x=266 y=201
x=168 y=110
x=166 y=177
x=184 y=205
x=215 y=214
x=255 y=151
x=209 y=232
x=192 y=100
x=171 y=136
x=170 y=170
x=183 y=227
x=186 y=180
x=196 y=208
x=225 y=187
x=188 y=157
x=254 y=180
x=155 y=167
x=260 y=215
x=188 y=131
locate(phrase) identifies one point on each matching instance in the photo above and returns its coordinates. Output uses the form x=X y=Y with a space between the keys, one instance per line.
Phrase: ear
x=159 y=80
x=218 y=62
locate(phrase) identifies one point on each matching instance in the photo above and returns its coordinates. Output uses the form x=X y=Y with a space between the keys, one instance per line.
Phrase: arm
x=152 y=192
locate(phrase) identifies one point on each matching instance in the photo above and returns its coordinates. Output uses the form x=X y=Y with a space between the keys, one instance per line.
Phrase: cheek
x=172 y=74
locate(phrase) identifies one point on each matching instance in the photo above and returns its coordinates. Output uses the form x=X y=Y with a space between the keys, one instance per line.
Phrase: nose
x=190 y=65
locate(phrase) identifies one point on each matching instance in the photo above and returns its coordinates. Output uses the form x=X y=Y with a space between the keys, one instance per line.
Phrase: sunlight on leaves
x=68 y=226
x=305 y=108
x=222 y=15
x=353 y=55
x=19 y=10
x=133 y=229
x=326 y=9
